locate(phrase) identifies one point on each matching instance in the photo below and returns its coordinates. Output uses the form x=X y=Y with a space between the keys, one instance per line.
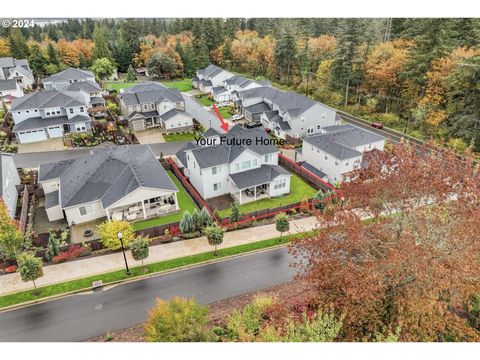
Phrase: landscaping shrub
x=173 y=230
x=10 y=269
x=191 y=235
x=186 y=224
x=177 y=320
x=73 y=252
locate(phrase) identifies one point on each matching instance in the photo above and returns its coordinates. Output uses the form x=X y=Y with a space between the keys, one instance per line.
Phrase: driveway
x=203 y=116
x=150 y=136
x=41 y=146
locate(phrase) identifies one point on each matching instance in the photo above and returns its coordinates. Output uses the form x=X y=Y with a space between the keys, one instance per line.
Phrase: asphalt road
x=203 y=116
x=33 y=160
x=80 y=317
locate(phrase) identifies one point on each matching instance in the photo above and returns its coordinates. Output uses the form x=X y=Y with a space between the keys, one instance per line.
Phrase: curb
x=137 y=278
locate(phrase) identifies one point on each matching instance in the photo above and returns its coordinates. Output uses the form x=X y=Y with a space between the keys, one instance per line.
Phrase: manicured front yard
x=187 y=136
x=299 y=189
x=185 y=202
x=182 y=85
x=225 y=111
x=118 y=85
x=204 y=100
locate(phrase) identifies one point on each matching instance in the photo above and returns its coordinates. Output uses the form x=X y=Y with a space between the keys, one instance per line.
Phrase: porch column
x=108 y=215
x=240 y=195
x=144 y=211
x=255 y=193
x=176 y=201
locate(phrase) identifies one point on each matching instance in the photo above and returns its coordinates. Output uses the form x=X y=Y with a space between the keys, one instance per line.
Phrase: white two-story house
x=118 y=183
x=49 y=114
x=74 y=81
x=150 y=104
x=9 y=179
x=210 y=77
x=9 y=91
x=18 y=70
x=333 y=154
x=238 y=163
x=287 y=114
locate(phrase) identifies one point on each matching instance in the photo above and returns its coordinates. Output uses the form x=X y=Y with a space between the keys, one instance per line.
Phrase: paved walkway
x=100 y=264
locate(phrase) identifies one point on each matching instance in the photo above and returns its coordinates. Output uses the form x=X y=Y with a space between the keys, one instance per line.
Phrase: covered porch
x=144 y=209
x=249 y=194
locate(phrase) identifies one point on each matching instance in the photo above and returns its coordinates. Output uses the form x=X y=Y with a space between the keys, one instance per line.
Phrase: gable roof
x=258 y=176
x=210 y=70
x=8 y=63
x=87 y=86
x=69 y=74
x=150 y=92
x=45 y=99
x=107 y=174
x=8 y=85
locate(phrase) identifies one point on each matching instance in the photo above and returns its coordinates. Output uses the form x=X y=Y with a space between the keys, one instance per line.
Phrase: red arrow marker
x=224 y=123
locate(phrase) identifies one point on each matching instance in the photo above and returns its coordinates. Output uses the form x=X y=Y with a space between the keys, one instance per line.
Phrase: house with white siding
x=286 y=114
x=48 y=114
x=9 y=179
x=117 y=183
x=151 y=104
x=18 y=70
x=209 y=77
x=338 y=151
x=238 y=163
x=10 y=90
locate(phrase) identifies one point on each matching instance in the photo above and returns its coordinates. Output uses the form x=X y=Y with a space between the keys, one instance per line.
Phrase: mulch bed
x=219 y=311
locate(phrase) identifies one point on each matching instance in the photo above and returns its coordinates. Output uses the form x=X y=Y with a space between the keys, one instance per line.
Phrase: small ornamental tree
x=214 y=236
x=139 y=248
x=11 y=239
x=281 y=223
x=109 y=230
x=30 y=267
x=53 y=246
x=197 y=220
x=103 y=68
x=304 y=206
x=186 y=224
x=131 y=76
x=235 y=214
x=177 y=320
x=317 y=200
x=205 y=218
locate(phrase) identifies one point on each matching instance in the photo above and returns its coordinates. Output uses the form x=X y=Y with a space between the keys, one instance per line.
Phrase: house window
x=347 y=163
x=86 y=210
x=237 y=167
x=179 y=123
x=214 y=170
x=152 y=106
x=301 y=129
x=311 y=148
x=268 y=158
x=326 y=157
x=318 y=127
x=71 y=110
x=81 y=108
x=80 y=127
x=310 y=130
x=254 y=162
x=246 y=165
x=145 y=106
x=369 y=146
x=336 y=163
x=281 y=183
x=130 y=108
x=186 y=122
x=217 y=186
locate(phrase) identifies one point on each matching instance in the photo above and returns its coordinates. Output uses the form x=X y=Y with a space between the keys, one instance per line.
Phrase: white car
x=237 y=117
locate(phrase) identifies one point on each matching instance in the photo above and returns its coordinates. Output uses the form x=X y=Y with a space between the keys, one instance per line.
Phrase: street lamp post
x=120 y=237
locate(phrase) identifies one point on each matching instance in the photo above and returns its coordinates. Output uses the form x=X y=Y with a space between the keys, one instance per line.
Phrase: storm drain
x=97 y=286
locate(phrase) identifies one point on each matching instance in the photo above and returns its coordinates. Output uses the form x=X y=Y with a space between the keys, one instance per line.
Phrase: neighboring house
x=119 y=183
x=72 y=81
x=212 y=75
x=338 y=151
x=246 y=171
x=9 y=90
x=230 y=88
x=151 y=104
x=9 y=179
x=49 y=114
x=287 y=114
x=18 y=70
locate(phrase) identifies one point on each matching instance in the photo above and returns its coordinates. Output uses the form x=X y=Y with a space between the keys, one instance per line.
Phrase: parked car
x=99 y=115
x=237 y=117
x=252 y=125
x=377 y=125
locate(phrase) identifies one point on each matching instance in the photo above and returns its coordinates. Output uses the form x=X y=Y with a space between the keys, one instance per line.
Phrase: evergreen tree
x=197 y=220
x=131 y=76
x=52 y=54
x=53 y=246
x=286 y=53
x=130 y=35
x=187 y=224
x=82 y=61
x=100 y=43
x=235 y=214
x=123 y=56
x=18 y=44
x=37 y=61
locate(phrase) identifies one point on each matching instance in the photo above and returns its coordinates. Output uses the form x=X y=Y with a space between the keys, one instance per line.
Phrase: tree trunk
x=34 y=285
x=346 y=94
x=215 y=252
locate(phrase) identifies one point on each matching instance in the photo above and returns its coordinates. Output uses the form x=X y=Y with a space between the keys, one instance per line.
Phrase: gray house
x=9 y=179
x=119 y=183
x=151 y=104
x=49 y=114
x=287 y=114
x=18 y=70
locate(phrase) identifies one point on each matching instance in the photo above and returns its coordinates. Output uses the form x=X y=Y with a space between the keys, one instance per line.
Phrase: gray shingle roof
x=351 y=135
x=206 y=82
x=51 y=199
x=8 y=84
x=262 y=175
x=8 y=63
x=150 y=92
x=45 y=99
x=314 y=170
x=40 y=123
x=182 y=155
x=211 y=132
x=108 y=175
x=258 y=108
x=87 y=86
x=219 y=90
x=210 y=70
x=172 y=113
x=143 y=114
x=69 y=74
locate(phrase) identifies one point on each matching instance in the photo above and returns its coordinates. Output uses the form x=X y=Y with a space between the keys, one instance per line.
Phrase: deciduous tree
x=109 y=230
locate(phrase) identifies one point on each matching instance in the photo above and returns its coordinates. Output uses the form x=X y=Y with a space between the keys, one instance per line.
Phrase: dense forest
x=419 y=76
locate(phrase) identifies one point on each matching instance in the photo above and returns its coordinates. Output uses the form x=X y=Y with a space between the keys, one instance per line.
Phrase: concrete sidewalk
x=59 y=273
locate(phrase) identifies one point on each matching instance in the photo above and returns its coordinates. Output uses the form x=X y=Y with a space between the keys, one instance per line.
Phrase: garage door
x=55 y=131
x=32 y=136
x=138 y=125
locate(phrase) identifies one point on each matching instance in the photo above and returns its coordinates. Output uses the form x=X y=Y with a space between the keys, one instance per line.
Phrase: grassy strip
x=186 y=136
x=185 y=202
x=113 y=276
x=183 y=85
x=204 y=100
x=119 y=85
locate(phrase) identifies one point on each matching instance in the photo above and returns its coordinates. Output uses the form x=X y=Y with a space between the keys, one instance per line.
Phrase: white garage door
x=32 y=136
x=138 y=125
x=55 y=131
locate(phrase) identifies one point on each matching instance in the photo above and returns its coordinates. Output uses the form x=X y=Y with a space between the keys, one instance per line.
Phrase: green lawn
x=225 y=111
x=110 y=277
x=182 y=85
x=184 y=201
x=205 y=100
x=299 y=189
x=118 y=85
x=187 y=136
